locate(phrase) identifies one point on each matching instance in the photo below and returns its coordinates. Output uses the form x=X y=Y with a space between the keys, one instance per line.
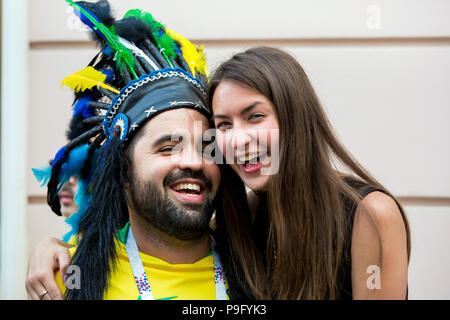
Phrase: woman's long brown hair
x=307 y=220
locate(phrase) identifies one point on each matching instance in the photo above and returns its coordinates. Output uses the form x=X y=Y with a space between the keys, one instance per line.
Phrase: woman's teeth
x=252 y=159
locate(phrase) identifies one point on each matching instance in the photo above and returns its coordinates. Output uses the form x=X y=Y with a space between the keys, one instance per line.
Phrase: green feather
x=162 y=41
x=124 y=56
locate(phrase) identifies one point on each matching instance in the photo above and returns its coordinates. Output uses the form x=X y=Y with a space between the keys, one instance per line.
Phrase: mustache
x=66 y=188
x=187 y=173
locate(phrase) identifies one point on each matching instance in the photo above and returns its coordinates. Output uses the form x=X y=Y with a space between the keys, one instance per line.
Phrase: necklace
x=141 y=278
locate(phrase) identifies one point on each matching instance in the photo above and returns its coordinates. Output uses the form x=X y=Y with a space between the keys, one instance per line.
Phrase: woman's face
x=247 y=132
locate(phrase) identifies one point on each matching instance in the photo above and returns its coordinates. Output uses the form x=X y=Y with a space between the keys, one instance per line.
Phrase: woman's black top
x=345 y=284
x=260 y=231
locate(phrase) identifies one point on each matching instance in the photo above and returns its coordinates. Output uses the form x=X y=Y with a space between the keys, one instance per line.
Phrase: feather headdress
x=131 y=48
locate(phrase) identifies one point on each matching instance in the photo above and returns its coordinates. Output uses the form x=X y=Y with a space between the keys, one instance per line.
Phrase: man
x=151 y=194
x=67 y=197
x=66 y=194
x=170 y=205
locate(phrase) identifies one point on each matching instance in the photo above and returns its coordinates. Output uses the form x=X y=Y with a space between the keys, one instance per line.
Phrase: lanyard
x=141 y=279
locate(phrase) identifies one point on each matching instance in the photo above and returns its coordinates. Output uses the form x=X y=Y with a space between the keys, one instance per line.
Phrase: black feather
x=88 y=165
x=78 y=126
x=85 y=137
x=102 y=10
x=150 y=50
x=133 y=29
x=53 y=183
x=99 y=105
x=100 y=223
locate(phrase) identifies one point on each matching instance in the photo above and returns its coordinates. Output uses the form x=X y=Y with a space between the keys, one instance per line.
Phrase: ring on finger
x=42 y=294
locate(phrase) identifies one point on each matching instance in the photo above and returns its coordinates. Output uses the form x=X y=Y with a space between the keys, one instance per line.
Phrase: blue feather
x=108 y=73
x=73 y=165
x=88 y=22
x=82 y=107
x=178 y=50
x=108 y=51
x=83 y=200
x=60 y=154
x=42 y=175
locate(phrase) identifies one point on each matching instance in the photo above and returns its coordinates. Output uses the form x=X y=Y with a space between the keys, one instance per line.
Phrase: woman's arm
x=379 y=249
x=48 y=256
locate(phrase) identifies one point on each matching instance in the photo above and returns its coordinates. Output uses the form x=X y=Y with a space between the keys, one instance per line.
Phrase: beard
x=186 y=222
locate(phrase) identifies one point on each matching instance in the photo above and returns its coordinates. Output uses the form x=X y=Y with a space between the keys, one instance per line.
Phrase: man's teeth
x=187 y=186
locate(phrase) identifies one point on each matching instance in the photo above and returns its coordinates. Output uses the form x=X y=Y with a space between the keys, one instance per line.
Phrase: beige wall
x=380 y=68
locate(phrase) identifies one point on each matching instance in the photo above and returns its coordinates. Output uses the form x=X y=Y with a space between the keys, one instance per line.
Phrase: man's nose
x=191 y=158
x=73 y=181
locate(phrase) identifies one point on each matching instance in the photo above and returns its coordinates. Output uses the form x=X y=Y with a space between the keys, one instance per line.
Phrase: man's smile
x=188 y=190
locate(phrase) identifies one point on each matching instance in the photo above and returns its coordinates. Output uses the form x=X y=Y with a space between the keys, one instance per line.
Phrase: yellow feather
x=193 y=54
x=87 y=79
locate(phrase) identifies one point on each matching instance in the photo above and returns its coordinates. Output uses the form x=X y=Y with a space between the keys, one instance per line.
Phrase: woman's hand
x=48 y=256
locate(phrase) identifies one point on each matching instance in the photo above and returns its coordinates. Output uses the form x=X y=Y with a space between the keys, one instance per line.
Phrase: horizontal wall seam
x=405 y=201
x=319 y=42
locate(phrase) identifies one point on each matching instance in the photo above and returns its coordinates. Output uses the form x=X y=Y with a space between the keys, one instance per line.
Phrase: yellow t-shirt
x=168 y=281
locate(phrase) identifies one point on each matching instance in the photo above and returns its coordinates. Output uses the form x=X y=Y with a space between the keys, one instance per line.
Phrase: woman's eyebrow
x=243 y=112
x=219 y=116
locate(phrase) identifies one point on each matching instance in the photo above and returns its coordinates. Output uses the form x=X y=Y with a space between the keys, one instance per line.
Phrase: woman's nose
x=239 y=139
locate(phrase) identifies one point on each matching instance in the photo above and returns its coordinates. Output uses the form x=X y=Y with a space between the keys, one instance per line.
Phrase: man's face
x=171 y=186
x=67 y=197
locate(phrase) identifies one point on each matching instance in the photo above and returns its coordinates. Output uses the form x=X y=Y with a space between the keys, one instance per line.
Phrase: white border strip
x=14 y=102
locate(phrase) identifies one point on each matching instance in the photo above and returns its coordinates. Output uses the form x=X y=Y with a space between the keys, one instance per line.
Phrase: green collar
x=123 y=233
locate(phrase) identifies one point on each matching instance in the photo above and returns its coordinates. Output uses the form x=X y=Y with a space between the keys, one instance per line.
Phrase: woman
x=316 y=232
x=313 y=232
